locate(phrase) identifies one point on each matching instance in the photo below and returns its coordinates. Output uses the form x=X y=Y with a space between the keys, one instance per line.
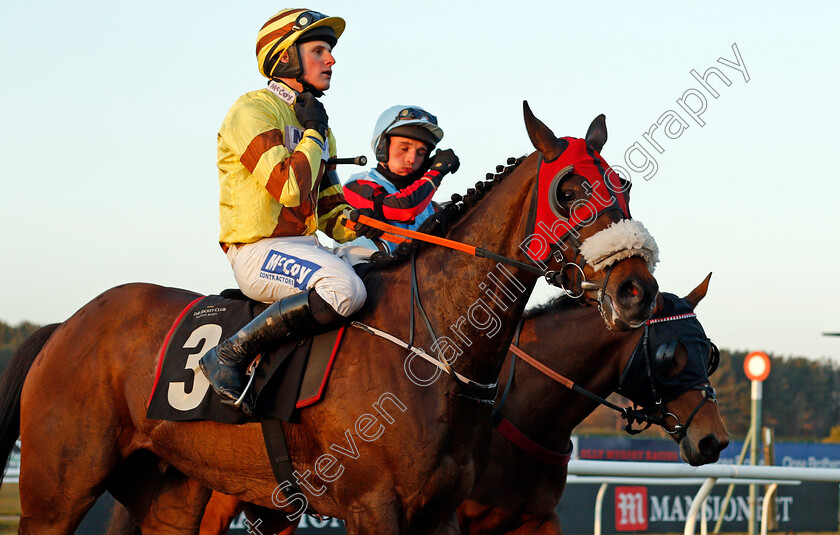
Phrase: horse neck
x=576 y=344
x=474 y=303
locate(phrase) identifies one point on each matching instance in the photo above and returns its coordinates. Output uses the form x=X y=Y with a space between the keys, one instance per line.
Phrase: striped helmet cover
x=279 y=33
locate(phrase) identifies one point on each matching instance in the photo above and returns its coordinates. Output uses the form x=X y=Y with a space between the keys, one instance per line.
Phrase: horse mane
x=450 y=213
x=558 y=303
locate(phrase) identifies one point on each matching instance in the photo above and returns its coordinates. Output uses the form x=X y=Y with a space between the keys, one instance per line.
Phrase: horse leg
x=545 y=526
x=448 y=527
x=56 y=494
x=368 y=521
x=552 y=526
x=176 y=509
x=268 y=520
x=159 y=498
x=219 y=513
x=49 y=511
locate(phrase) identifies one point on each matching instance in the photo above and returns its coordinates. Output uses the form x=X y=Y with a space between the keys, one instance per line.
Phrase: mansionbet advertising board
x=664 y=509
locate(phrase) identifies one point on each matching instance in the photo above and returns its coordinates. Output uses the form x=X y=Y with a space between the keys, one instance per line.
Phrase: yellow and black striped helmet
x=286 y=28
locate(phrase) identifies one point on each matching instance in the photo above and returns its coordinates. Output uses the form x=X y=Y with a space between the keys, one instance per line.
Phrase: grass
x=9 y=507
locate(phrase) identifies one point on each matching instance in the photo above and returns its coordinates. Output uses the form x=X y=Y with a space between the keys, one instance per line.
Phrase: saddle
x=289 y=378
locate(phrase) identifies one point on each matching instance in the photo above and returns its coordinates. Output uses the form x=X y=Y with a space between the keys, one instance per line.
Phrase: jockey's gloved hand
x=361 y=228
x=311 y=113
x=445 y=161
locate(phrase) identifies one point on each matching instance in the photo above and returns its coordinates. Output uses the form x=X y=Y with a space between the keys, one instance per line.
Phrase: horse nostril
x=709 y=445
x=630 y=293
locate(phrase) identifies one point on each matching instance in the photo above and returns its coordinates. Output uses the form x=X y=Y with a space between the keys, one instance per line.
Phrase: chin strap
x=308 y=88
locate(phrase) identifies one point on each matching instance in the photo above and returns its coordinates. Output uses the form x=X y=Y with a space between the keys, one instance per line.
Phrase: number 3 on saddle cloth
x=291 y=377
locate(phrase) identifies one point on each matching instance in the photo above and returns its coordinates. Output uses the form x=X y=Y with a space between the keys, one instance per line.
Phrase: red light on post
x=757 y=366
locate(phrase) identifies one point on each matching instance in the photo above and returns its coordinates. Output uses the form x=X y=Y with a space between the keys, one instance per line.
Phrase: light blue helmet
x=412 y=122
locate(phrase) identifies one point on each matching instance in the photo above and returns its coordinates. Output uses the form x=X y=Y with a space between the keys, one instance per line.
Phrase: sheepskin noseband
x=620 y=240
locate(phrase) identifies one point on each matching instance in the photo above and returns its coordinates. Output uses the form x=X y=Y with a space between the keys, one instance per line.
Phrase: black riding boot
x=293 y=317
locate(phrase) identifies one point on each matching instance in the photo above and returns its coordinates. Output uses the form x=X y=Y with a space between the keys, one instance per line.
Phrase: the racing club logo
x=288 y=269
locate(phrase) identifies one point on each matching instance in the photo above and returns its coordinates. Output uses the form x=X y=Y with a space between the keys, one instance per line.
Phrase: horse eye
x=561 y=199
x=565 y=196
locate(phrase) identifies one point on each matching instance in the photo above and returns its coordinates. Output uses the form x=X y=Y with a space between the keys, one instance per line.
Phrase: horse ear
x=697 y=294
x=541 y=136
x=597 y=133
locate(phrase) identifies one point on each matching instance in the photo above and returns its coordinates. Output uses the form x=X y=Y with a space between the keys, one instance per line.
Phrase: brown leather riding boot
x=293 y=317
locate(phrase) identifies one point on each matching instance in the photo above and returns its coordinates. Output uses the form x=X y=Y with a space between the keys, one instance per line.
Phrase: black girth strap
x=278 y=454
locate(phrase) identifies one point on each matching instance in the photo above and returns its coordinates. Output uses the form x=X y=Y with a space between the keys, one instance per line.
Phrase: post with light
x=757 y=368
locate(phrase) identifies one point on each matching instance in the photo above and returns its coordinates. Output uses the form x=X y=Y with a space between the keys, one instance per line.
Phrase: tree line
x=11 y=337
x=801 y=396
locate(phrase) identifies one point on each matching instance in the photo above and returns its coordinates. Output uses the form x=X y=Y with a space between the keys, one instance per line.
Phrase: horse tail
x=12 y=385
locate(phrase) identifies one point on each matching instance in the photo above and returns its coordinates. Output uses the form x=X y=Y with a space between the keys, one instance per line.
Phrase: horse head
x=581 y=231
x=668 y=374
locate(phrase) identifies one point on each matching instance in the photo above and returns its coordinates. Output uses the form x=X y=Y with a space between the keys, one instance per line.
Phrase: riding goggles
x=306 y=19
x=414 y=113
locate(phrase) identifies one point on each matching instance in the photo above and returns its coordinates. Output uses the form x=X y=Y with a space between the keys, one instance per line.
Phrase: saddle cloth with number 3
x=289 y=378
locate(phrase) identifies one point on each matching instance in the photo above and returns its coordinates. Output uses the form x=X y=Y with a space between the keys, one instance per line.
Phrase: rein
x=478 y=392
x=632 y=415
x=481 y=393
x=443 y=365
x=394 y=234
x=555 y=278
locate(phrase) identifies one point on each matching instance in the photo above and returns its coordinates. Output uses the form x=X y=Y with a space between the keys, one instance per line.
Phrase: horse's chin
x=614 y=319
x=692 y=456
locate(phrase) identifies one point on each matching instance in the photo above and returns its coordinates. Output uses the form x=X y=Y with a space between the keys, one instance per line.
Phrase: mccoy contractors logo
x=631 y=510
x=294 y=135
x=288 y=269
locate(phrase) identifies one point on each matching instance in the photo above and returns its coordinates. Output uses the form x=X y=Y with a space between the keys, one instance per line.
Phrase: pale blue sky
x=110 y=112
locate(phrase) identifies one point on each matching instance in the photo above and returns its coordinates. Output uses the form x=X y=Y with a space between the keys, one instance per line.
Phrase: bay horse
x=518 y=492
x=521 y=486
x=421 y=441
